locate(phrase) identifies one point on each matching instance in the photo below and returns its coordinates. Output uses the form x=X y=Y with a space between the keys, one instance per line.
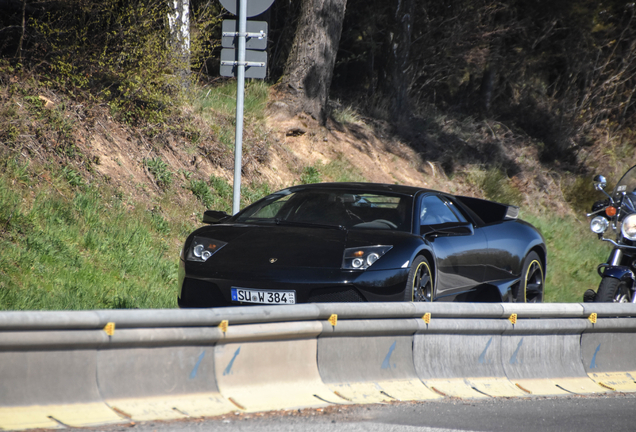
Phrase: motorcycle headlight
x=203 y=248
x=629 y=227
x=599 y=224
x=361 y=258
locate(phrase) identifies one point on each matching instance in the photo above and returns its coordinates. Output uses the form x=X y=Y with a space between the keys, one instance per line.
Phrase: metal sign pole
x=240 y=99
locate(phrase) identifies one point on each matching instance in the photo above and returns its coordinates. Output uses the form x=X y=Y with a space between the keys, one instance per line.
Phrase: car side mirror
x=214 y=216
x=599 y=182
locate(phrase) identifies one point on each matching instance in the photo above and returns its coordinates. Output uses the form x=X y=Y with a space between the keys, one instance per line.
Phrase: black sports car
x=342 y=242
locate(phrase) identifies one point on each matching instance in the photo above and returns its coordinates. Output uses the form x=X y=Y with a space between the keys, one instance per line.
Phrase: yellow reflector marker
x=110 y=328
x=513 y=319
x=333 y=319
x=427 y=317
x=223 y=326
x=592 y=317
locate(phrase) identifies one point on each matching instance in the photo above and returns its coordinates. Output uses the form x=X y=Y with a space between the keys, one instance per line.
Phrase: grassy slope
x=82 y=248
x=67 y=245
x=574 y=252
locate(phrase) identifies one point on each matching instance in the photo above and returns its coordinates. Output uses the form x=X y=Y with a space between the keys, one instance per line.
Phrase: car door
x=459 y=248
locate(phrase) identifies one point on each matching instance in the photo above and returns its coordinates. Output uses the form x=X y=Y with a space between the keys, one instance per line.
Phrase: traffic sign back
x=254 y=7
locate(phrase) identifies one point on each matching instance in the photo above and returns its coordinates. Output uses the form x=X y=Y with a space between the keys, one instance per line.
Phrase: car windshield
x=340 y=208
x=627 y=183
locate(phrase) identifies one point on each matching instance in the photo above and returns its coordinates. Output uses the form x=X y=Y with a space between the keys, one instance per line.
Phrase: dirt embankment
x=117 y=154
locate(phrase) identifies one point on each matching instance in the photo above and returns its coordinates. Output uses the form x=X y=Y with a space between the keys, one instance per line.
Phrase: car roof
x=363 y=187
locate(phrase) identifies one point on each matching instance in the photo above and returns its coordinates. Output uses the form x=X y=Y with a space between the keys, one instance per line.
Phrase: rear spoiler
x=490 y=211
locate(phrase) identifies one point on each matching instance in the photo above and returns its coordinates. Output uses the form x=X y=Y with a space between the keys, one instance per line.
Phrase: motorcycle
x=614 y=221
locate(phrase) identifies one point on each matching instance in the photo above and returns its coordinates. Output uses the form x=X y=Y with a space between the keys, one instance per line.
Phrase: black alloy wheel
x=419 y=284
x=532 y=279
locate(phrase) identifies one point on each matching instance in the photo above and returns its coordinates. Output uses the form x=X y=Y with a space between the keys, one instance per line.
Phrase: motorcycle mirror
x=599 y=182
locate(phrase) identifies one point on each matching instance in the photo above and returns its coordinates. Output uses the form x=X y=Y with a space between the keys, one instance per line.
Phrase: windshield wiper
x=308 y=224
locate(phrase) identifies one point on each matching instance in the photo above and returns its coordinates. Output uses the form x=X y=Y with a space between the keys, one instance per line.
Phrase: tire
x=532 y=281
x=613 y=291
x=419 y=284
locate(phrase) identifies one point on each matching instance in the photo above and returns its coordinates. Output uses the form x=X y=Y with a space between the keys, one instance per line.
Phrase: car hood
x=254 y=246
x=258 y=246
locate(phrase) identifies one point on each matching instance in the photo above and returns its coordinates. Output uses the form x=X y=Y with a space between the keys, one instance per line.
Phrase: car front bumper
x=201 y=287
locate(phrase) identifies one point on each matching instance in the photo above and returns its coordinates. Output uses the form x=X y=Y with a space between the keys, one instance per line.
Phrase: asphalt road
x=614 y=413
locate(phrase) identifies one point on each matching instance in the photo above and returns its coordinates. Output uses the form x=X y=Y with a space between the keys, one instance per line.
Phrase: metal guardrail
x=64 y=320
x=93 y=367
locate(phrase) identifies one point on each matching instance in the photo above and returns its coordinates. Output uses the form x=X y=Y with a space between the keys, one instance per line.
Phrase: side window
x=457 y=211
x=434 y=211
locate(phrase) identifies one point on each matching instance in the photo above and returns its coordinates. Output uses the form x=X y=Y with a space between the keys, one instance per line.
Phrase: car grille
x=335 y=295
x=201 y=294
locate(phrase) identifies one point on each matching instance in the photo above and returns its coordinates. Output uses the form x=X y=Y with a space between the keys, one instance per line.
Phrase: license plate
x=263 y=296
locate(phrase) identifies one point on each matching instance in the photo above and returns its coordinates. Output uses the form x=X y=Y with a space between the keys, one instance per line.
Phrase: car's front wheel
x=419 y=285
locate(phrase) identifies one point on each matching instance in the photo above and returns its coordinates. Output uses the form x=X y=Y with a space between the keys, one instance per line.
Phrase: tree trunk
x=179 y=26
x=310 y=64
x=397 y=72
x=486 y=89
x=18 y=54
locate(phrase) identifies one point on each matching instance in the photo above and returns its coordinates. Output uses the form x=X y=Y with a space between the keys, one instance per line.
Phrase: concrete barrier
x=273 y=375
x=160 y=383
x=61 y=369
x=610 y=359
x=363 y=368
x=608 y=348
x=51 y=389
x=544 y=357
x=462 y=366
x=277 y=370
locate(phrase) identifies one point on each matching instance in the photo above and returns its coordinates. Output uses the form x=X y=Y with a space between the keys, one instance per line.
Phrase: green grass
x=217 y=194
x=217 y=106
x=311 y=174
x=341 y=170
x=338 y=170
x=574 y=252
x=222 y=99
x=83 y=249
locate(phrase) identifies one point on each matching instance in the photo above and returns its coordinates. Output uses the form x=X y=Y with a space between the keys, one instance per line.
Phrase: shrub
x=200 y=189
x=159 y=170
x=496 y=186
x=310 y=174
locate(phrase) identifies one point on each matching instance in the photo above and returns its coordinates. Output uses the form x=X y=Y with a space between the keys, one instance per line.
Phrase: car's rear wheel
x=419 y=284
x=532 y=280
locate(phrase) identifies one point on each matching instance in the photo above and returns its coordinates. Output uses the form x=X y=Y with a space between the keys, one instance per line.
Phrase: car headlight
x=599 y=224
x=203 y=248
x=629 y=227
x=361 y=258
